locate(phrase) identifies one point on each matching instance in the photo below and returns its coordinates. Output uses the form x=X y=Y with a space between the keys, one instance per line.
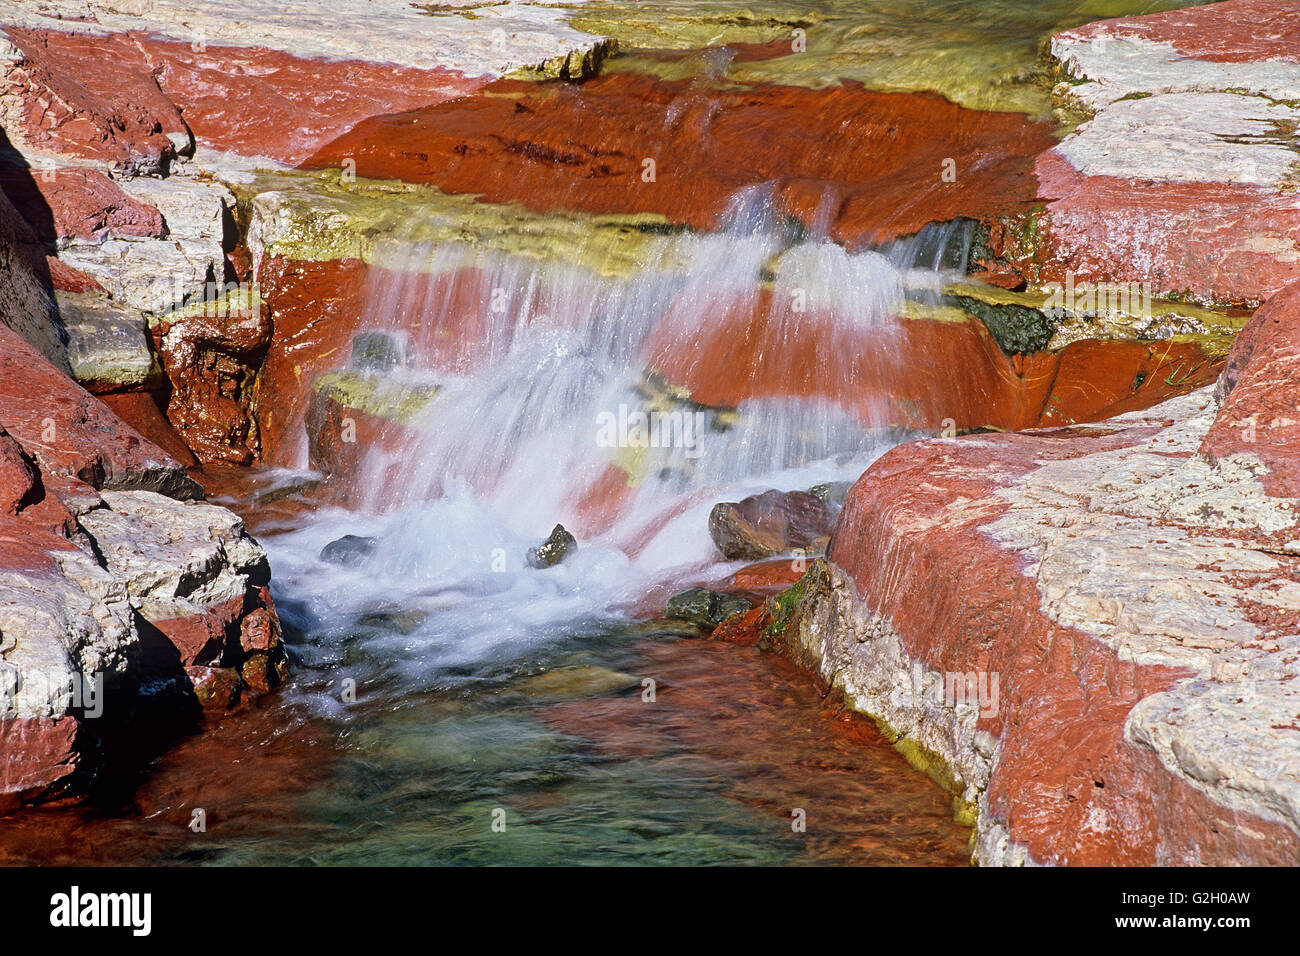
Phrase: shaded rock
x=771 y=523
x=553 y=550
x=108 y=348
x=217 y=689
x=38 y=753
x=263 y=672
x=349 y=550
x=704 y=607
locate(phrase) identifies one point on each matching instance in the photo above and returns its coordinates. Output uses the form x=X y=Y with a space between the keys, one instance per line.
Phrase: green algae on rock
x=992 y=59
x=323 y=216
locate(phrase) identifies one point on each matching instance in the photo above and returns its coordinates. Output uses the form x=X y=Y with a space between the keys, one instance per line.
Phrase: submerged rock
x=579 y=680
x=349 y=549
x=403 y=620
x=553 y=550
x=377 y=351
x=704 y=607
x=771 y=523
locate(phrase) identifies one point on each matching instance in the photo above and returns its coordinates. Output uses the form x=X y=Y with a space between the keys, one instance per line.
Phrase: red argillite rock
x=212 y=351
x=1174 y=180
x=38 y=753
x=626 y=142
x=1092 y=629
x=1259 y=416
x=84 y=203
x=74 y=433
x=771 y=523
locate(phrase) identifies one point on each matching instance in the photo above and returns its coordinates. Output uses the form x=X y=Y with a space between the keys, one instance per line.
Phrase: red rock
x=1071 y=694
x=914 y=373
x=775 y=521
x=259 y=631
x=746 y=629
x=261 y=102
x=316 y=309
x=212 y=355
x=18 y=477
x=1216 y=241
x=202 y=638
x=140 y=410
x=70 y=432
x=768 y=576
x=217 y=689
x=263 y=673
x=1231 y=31
x=93 y=97
x=582 y=147
x=1260 y=415
x=81 y=203
x=38 y=753
x=65 y=278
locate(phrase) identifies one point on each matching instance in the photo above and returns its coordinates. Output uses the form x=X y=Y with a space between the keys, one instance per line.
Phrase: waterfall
x=623 y=406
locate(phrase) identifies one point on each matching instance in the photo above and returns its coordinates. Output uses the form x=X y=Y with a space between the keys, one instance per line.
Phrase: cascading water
x=558 y=399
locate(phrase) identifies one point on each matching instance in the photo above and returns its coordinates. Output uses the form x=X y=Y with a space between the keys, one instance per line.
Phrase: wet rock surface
x=706 y=608
x=772 y=523
x=1136 y=609
x=349 y=549
x=557 y=546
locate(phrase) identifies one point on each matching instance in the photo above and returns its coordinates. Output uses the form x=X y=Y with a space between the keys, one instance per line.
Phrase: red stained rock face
x=117 y=96
x=914 y=373
x=1217 y=241
x=316 y=309
x=212 y=356
x=869 y=164
x=1232 y=31
x=74 y=433
x=82 y=203
x=1259 y=416
x=260 y=102
x=93 y=97
x=18 y=477
x=964 y=604
x=38 y=752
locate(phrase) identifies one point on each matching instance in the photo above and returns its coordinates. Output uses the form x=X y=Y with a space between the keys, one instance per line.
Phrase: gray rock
x=704 y=607
x=349 y=549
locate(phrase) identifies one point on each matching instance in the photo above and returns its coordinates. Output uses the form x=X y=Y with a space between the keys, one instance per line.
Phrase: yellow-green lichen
x=376 y=394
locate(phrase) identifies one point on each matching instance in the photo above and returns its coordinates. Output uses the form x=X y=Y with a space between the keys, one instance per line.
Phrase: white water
x=512 y=441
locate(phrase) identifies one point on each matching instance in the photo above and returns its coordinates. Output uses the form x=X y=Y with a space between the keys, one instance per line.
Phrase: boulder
x=706 y=608
x=349 y=550
x=773 y=522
